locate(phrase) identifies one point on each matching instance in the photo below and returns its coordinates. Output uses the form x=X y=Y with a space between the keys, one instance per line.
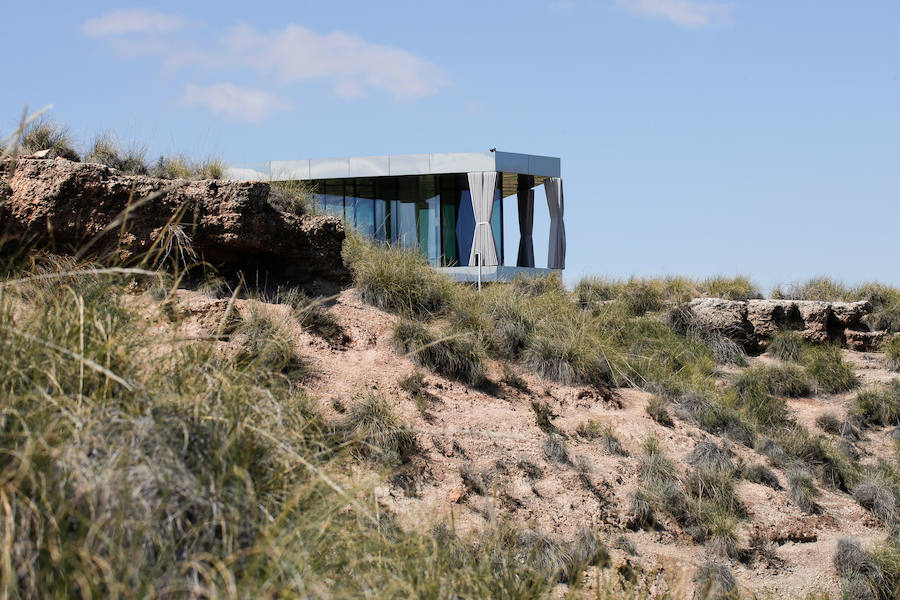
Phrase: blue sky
x=697 y=137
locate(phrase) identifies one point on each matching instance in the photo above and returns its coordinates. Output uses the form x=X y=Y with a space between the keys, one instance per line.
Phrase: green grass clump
x=106 y=150
x=538 y=286
x=818 y=288
x=376 y=432
x=715 y=582
x=455 y=356
x=786 y=345
x=879 y=406
x=803 y=491
x=178 y=166
x=730 y=288
x=891 y=350
x=761 y=474
x=562 y=355
x=868 y=574
x=398 y=280
x=265 y=341
x=45 y=134
x=294 y=197
x=781 y=380
x=827 y=369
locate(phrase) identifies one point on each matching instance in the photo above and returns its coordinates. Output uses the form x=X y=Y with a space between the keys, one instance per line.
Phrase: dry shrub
x=456 y=356
x=46 y=134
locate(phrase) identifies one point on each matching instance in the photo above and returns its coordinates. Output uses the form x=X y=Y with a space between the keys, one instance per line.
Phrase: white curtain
x=481 y=186
x=556 y=253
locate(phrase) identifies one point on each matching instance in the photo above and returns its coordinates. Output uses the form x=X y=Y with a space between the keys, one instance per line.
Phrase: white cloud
x=119 y=22
x=355 y=66
x=235 y=102
x=687 y=13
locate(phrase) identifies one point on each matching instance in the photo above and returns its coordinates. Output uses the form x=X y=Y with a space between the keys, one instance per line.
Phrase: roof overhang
x=401 y=164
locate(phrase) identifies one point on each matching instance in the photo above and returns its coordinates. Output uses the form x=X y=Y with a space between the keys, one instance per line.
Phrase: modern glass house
x=450 y=206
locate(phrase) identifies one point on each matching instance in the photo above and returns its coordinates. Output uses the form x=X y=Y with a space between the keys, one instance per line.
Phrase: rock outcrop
x=231 y=225
x=754 y=321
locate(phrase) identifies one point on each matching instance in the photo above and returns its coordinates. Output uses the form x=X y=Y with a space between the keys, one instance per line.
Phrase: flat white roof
x=399 y=164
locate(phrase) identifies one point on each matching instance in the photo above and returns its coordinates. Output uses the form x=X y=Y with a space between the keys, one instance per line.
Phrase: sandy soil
x=496 y=432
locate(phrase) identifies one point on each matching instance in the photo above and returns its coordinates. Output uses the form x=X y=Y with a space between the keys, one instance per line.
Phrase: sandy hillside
x=493 y=433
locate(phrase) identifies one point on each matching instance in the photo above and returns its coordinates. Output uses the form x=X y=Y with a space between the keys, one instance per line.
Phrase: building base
x=498 y=273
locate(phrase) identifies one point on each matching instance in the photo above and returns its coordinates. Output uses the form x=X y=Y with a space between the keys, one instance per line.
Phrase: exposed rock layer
x=759 y=319
x=229 y=224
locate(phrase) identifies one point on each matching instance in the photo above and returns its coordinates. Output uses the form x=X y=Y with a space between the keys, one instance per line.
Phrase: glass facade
x=430 y=212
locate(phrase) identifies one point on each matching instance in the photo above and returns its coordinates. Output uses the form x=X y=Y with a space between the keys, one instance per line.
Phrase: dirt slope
x=496 y=432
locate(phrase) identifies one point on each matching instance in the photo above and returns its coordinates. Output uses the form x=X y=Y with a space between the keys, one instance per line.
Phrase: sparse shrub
x=106 y=150
x=589 y=430
x=761 y=474
x=542 y=417
x=376 y=432
x=455 y=356
x=891 y=350
x=265 y=341
x=556 y=450
x=786 y=345
x=722 y=539
x=414 y=384
x=625 y=545
x=707 y=455
x=656 y=408
x=314 y=316
x=654 y=467
x=641 y=296
x=803 y=491
x=293 y=197
x=758 y=403
x=641 y=510
x=475 y=480
x=827 y=369
x=730 y=288
x=818 y=288
x=45 y=134
x=830 y=423
x=178 y=166
x=874 y=574
x=878 y=406
x=781 y=380
x=530 y=469
x=593 y=292
x=774 y=451
x=881 y=498
x=586 y=551
x=514 y=380
x=538 y=286
x=398 y=280
x=592 y=430
x=715 y=582
x=715 y=489
x=566 y=355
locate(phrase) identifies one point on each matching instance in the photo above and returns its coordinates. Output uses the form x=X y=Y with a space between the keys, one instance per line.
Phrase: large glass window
x=359 y=206
x=334 y=198
x=465 y=226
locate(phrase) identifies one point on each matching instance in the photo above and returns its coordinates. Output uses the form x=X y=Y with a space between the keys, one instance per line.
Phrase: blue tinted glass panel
x=465 y=227
x=429 y=225
x=334 y=199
